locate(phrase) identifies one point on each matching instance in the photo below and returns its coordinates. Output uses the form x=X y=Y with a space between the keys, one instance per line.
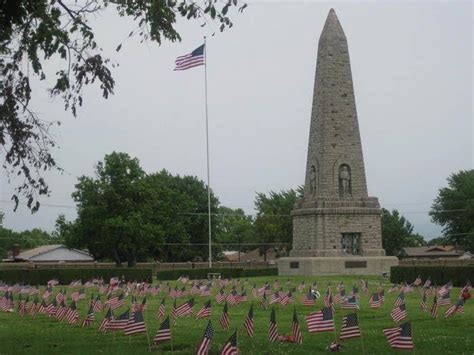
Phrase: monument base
x=339 y=265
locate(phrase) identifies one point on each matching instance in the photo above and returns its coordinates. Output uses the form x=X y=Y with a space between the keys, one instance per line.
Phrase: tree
x=397 y=233
x=273 y=223
x=235 y=229
x=453 y=209
x=125 y=214
x=34 y=32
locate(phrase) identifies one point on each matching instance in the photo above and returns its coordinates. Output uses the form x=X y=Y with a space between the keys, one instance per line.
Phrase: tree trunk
x=118 y=262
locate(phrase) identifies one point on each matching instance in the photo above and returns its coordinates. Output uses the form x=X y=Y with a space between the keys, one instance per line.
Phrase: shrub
x=439 y=275
x=65 y=276
x=225 y=272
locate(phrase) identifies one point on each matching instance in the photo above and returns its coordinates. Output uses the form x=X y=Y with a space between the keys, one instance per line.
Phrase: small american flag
x=108 y=317
x=434 y=307
x=375 y=301
x=295 y=329
x=350 y=327
x=248 y=322
x=224 y=319
x=400 y=337
x=161 y=310
x=400 y=299
x=445 y=289
x=427 y=283
x=417 y=281
x=205 y=311
x=203 y=348
x=220 y=297
x=185 y=309
x=423 y=306
x=458 y=307
x=120 y=322
x=89 y=318
x=320 y=321
x=272 y=327
x=444 y=299
x=309 y=299
x=164 y=332
x=399 y=313
x=184 y=62
x=350 y=303
x=135 y=325
x=97 y=304
x=230 y=348
x=72 y=314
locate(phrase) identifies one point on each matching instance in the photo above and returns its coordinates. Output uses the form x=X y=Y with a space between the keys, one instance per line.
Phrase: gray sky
x=413 y=79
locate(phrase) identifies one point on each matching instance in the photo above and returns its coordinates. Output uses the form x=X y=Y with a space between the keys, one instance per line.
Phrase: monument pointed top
x=332 y=25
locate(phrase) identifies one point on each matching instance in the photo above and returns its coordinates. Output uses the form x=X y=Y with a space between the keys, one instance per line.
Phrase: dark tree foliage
x=397 y=233
x=453 y=209
x=33 y=32
x=25 y=240
x=126 y=215
x=235 y=229
x=273 y=223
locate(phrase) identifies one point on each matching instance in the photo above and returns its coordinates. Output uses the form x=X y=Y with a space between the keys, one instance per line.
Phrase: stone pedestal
x=343 y=265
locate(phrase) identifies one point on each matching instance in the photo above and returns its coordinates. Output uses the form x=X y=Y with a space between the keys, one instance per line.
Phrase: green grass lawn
x=42 y=335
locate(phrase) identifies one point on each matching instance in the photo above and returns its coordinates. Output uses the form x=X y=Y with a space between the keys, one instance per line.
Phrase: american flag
x=161 y=310
x=309 y=299
x=53 y=282
x=350 y=303
x=254 y=291
x=34 y=307
x=233 y=297
x=78 y=295
x=465 y=291
x=224 y=319
x=248 y=322
x=61 y=296
x=42 y=307
x=185 y=309
x=188 y=61
x=458 y=307
x=135 y=325
x=205 y=311
x=75 y=283
x=399 y=313
x=97 y=304
x=272 y=327
x=230 y=348
x=275 y=297
x=417 y=281
x=340 y=296
x=220 y=297
x=394 y=288
x=400 y=299
x=350 y=327
x=72 y=314
x=276 y=285
x=242 y=297
x=295 y=329
x=115 y=302
x=382 y=295
x=203 y=348
x=434 y=307
x=108 y=317
x=120 y=322
x=61 y=311
x=445 y=289
x=400 y=337
x=47 y=292
x=375 y=301
x=206 y=291
x=444 y=300
x=427 y=283
x=51 y=309
x=320 y=321
x=89 y=318
x=423 y=306
x=286 y=299
x=164 y=332
x=264 y=302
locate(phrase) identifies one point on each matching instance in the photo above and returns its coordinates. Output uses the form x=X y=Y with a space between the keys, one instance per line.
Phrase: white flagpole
x=207 y=151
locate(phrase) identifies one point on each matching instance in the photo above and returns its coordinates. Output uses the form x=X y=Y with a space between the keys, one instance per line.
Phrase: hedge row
x=225 y=272
x=65 y=276
x=439 y=275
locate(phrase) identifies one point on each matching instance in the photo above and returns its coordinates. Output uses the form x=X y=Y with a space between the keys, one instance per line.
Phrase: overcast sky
x=413 y=80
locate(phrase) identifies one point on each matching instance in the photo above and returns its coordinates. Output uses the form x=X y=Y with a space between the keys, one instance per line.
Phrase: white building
x=52 y=253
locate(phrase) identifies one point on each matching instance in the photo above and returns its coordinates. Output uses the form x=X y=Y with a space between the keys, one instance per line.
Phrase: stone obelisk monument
x=336 y=225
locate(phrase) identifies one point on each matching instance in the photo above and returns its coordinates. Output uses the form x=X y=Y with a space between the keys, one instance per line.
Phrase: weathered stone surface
x=335 y=217
x=372 y=265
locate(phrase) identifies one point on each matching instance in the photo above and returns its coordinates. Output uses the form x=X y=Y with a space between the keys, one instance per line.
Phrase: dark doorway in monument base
x=350 y=243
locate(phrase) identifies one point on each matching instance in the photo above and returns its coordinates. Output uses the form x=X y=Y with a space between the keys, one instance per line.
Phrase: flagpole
x=207 y=152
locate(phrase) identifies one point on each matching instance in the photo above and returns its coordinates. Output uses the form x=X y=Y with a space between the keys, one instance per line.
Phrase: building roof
x=35 y=252
x=432 y=251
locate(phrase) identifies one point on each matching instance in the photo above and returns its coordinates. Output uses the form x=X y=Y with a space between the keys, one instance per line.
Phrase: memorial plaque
x=294 y=265
x=355 y=264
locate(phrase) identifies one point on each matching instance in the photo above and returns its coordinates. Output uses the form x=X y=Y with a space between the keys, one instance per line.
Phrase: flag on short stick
x=295 y=329
x=248 y=322
x=230 y=348
x=272 y=327
x=164 y=332
x=203 y=348
x=350 y=327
